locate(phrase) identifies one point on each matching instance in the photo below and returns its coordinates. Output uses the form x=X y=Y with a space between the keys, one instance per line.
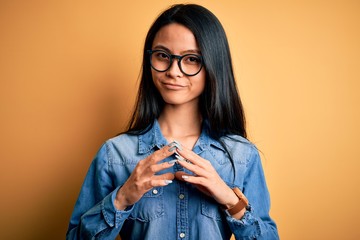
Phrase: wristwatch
x=241 y=204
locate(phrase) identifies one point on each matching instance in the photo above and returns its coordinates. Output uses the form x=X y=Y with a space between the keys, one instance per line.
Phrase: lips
x=172 y=86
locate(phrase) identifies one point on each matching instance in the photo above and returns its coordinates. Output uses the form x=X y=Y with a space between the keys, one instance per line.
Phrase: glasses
x=189 y=64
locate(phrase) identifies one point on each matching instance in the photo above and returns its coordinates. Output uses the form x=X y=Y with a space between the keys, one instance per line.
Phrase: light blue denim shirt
x=178 y=210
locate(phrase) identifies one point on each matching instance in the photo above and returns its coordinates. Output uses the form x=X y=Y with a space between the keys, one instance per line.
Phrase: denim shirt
x=178 y=210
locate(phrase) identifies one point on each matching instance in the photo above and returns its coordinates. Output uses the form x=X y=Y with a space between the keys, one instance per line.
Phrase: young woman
x=184 y=168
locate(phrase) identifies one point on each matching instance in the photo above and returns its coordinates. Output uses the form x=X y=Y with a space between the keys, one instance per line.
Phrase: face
x=175 y=87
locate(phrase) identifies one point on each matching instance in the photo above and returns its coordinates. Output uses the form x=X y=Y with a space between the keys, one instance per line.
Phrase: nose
x=174 y=70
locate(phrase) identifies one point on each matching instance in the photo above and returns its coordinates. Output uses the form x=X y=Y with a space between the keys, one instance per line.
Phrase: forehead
x=175 y=37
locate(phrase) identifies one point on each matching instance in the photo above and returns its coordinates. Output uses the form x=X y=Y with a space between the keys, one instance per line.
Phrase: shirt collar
x=205 y=141
x=151 y=139
x=154 y=138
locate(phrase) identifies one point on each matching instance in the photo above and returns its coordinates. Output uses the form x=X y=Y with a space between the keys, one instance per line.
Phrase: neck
x=180 y=122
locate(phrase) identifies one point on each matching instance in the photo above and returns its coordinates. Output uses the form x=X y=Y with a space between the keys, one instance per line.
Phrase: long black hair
x=220 y=103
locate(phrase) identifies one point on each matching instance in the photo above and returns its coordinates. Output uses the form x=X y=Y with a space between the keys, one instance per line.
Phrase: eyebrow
x=161 y=47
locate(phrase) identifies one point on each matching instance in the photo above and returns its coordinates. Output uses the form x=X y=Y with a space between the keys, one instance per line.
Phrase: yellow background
x=69 y=69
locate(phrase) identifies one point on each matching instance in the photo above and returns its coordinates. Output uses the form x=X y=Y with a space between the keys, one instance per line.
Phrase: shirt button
x=181 y=196
x=182 y=235
x=155 y=191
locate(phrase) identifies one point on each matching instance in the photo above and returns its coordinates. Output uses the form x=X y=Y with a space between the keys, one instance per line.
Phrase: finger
x=175 y=144
x=201 y=181
x=161 y=180
x=165 y=176
x=161 y=166
x=160 y=154
x=160 y=183
x=194 y=168
x=179 y=175
x=158 y=180
x=182 y=176
x=193 y=158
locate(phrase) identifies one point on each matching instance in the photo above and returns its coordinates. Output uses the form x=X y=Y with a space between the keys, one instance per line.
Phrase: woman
x=183 y=169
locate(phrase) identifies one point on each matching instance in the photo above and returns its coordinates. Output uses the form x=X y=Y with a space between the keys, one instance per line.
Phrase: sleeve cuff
x=248 y=224
x=247 y=219
x=112 y=216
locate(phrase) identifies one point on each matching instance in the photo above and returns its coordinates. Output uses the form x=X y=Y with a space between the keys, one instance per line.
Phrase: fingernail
x=171 y=144
x=175 y=144
x=180 y=158
x=185 y=176
x=172 y=162
x=178 y=144
x=168 y=181
x=172 y=148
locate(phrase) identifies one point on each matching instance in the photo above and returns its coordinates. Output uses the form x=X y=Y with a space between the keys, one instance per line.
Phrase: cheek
x=202 y=81
x=153 y=75
x=155 y=78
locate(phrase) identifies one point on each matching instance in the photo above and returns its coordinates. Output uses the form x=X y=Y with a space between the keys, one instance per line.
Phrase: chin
x=179 y=101
x=173 y=101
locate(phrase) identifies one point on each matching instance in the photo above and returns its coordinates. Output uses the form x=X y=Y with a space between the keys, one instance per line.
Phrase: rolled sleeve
x=247 y=227
x=94 y=213
x=113 y=217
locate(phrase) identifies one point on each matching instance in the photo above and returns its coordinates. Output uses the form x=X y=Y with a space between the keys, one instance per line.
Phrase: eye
x=192 y=59
x=163 y=56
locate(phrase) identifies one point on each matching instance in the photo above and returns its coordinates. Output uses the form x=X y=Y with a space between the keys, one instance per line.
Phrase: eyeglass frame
x=178 y=57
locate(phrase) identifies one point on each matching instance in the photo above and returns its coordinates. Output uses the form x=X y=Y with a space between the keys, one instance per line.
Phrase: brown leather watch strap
x=242 y=203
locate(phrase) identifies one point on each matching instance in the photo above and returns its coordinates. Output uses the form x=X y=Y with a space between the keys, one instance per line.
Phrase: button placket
x=182 y=210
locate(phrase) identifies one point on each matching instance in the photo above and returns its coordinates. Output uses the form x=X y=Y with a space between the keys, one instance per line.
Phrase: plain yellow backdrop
x=69 y=70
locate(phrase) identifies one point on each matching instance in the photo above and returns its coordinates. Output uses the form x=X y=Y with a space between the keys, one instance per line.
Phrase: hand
x=205 y=178
x=143 y=178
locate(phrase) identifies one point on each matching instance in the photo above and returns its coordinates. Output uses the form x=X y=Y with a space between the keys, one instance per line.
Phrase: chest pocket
x=150 y=206
x=211 y=209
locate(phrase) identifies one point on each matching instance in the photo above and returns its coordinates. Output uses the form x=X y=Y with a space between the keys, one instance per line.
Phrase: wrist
x=120 y=202
x=232 y=200
x=240 y=206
